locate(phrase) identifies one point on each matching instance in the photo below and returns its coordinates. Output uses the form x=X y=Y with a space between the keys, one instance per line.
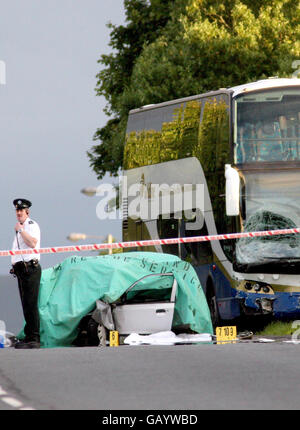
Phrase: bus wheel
x=212 y=304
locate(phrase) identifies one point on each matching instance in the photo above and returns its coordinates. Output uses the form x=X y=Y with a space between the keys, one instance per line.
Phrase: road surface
x=180 y=377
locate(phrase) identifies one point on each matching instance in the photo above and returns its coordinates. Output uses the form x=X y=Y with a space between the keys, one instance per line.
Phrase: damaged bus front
x=267 y=159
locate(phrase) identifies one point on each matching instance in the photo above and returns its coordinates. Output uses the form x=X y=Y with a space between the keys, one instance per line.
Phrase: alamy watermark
x=296 y=65
x=2 y=334
x=149 y=201
x=296 y=333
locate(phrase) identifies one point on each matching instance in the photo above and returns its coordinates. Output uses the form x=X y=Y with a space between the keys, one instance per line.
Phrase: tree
x=203 y=45
x=217 y=45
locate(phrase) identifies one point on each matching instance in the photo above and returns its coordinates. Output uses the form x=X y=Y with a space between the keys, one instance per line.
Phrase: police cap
x=22 y=203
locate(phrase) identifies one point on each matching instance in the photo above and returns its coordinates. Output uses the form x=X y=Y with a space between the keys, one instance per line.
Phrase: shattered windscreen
x=271 y=202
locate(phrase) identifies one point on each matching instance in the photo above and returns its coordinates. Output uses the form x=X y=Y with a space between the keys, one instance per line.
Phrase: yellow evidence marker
x=113 y=338
x=226 y=334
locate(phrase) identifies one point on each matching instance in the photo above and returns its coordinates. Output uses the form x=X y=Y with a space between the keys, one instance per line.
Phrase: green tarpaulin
x=69 y=291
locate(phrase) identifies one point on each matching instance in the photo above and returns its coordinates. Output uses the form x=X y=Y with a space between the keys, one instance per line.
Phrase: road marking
x=12 y=401
x=28 y=408
x=2 y=392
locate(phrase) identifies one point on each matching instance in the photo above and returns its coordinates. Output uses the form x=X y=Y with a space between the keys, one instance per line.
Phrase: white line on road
x=11 y=401
x=28 y=408
x=2 y=392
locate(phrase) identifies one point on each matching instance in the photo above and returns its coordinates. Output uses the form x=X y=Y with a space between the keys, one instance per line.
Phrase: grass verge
x=278 y=328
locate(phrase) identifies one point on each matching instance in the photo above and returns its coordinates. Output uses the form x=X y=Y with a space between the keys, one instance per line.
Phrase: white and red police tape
x=152 y=242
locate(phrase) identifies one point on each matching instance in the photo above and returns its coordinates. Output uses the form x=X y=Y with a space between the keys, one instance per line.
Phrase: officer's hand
x=18 y=226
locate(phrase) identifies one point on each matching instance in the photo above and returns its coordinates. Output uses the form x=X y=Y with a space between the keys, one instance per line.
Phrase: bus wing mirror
x=232 y=191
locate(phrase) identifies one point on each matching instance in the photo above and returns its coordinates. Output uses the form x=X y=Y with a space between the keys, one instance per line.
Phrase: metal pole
x=109 y=240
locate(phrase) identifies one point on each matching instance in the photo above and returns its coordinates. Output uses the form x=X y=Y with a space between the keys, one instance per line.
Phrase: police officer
x=28 y=271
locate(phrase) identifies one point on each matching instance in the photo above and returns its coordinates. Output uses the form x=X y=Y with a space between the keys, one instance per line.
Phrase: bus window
x=169 y=228
x=269 y=145
x=267 y=126
x=154 y=120
x=271 y=202
x=195 y=252
x=246 y=150
x=136 y=122
x=213 y=153
x=290 y=130
x=213 y=149
x=158 y=135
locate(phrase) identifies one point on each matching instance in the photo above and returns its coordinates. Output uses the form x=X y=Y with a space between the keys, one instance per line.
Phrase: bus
x=241 y=147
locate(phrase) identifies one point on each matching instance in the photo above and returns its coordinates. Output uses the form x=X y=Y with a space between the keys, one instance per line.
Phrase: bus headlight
x=248 y=286
x=255 y=287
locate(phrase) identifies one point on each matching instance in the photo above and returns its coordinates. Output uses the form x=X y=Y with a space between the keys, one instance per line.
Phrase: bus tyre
x=212 y=304
x=102 y=336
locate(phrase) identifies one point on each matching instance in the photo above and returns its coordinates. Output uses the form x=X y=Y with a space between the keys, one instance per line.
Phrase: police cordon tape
x=151 y=242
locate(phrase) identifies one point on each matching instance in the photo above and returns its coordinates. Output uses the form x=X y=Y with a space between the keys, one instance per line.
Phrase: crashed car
x=137 y=311
x=141 y=292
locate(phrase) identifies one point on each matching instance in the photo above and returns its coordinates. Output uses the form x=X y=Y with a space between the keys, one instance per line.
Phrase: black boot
x=23 y=344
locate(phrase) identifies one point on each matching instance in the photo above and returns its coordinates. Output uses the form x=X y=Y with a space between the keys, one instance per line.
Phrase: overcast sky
x=49 y=113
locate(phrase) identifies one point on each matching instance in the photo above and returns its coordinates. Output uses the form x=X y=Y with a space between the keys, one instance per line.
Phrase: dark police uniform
x=28 y=271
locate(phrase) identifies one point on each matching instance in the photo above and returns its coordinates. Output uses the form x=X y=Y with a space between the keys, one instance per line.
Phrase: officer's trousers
x=29 y=283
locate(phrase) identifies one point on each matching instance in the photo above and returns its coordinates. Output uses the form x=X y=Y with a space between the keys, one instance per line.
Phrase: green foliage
x=216 y=46
x=107 y=156
x=173 y=49
x=278 y=328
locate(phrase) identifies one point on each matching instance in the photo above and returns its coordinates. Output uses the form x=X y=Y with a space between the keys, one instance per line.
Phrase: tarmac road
x=179 y=377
